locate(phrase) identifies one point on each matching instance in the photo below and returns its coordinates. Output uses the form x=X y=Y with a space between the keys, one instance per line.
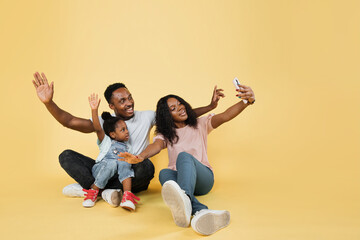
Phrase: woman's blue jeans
x=192 y=176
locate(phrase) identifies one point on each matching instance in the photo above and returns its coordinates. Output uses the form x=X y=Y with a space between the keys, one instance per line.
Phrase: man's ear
x=111 y=106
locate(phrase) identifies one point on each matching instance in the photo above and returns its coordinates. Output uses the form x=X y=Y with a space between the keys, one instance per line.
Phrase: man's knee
x=144 y=170
x=64 y=158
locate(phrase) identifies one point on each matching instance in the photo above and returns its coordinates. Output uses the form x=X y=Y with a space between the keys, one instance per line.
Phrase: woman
x=189 y=172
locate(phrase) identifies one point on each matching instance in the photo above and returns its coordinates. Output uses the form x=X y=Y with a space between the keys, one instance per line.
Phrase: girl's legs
x=103 y=171
x=127 y=184
x=79 y=167
x=126 y=173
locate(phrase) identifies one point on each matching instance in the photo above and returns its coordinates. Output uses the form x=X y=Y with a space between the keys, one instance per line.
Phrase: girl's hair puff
x=109 y=122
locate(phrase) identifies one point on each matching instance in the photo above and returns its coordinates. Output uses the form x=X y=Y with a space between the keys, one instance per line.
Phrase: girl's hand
x=129 y=158
x=246 y=93
x=94 y=101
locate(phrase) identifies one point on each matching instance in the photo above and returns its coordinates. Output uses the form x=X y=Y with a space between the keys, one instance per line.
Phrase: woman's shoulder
x=204 y=122
x=205 y=118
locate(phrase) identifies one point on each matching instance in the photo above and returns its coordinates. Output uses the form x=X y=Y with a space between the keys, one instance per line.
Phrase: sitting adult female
x=189 y=172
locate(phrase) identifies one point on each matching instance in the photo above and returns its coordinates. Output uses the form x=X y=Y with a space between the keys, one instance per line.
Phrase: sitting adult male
x=139 y=124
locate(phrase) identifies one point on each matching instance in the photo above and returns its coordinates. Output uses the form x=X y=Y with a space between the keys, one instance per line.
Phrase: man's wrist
x=49 y=103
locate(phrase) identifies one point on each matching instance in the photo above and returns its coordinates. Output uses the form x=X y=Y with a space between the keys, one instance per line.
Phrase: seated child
x=107 y=164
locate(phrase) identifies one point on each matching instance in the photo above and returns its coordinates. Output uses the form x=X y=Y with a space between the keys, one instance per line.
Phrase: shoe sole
x=210 y=222
x=115 y=198
x=90 y=206
x=128 y=207
x=172 y=198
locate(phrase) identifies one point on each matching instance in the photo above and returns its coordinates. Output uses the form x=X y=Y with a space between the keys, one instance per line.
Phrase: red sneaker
x=90 y=197
x=129 y=200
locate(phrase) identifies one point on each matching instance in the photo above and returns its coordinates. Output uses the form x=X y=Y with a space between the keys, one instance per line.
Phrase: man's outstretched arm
x=217 y=94
x=45 y=92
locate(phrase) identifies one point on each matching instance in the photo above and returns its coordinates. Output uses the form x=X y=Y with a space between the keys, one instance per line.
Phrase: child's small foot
x=90 y=197
x=129 y=200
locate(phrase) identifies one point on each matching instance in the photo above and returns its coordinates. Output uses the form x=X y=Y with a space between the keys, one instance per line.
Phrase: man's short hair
x=110 y=89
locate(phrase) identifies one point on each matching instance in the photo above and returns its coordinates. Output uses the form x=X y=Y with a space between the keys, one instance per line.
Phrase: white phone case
x=236 y=84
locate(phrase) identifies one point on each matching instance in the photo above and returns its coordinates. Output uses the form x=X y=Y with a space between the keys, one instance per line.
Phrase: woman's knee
x=162 y=176
x=166 y=175
x=184 y=157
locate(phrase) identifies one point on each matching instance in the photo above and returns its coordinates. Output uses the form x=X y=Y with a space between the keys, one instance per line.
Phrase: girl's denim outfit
x=107 y=166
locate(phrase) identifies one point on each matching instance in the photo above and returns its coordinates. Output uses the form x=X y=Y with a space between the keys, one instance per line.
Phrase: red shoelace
x=129 y=196
x=91 y=194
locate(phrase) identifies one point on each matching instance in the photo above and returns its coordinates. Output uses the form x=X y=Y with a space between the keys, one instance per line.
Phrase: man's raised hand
x=44 y=91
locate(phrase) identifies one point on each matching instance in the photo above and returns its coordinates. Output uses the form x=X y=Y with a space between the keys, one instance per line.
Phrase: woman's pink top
x=191 y=140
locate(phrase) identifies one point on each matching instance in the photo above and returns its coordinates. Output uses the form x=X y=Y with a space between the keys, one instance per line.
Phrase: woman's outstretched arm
x=246 y=93
x=149 y=151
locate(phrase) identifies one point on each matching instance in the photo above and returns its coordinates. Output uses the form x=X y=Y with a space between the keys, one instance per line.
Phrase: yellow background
x=286 y=168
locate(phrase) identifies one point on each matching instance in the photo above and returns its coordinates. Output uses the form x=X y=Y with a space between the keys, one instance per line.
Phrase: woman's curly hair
x=164 y=122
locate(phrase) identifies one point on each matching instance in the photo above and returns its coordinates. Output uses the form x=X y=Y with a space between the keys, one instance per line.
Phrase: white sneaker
x=112 y=196
x=178 y=202
x=207 y=222
x=73 y=190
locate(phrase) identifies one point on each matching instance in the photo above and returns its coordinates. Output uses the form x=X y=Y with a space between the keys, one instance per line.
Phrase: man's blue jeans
x=192 y=176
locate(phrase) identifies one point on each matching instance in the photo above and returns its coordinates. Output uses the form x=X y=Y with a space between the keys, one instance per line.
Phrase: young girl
x=189 y=172
x=107 y=164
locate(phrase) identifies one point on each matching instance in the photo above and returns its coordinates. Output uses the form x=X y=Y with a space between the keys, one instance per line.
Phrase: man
x=139 y=124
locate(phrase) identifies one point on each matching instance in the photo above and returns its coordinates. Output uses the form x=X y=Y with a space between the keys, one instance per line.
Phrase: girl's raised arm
x=94 y=102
